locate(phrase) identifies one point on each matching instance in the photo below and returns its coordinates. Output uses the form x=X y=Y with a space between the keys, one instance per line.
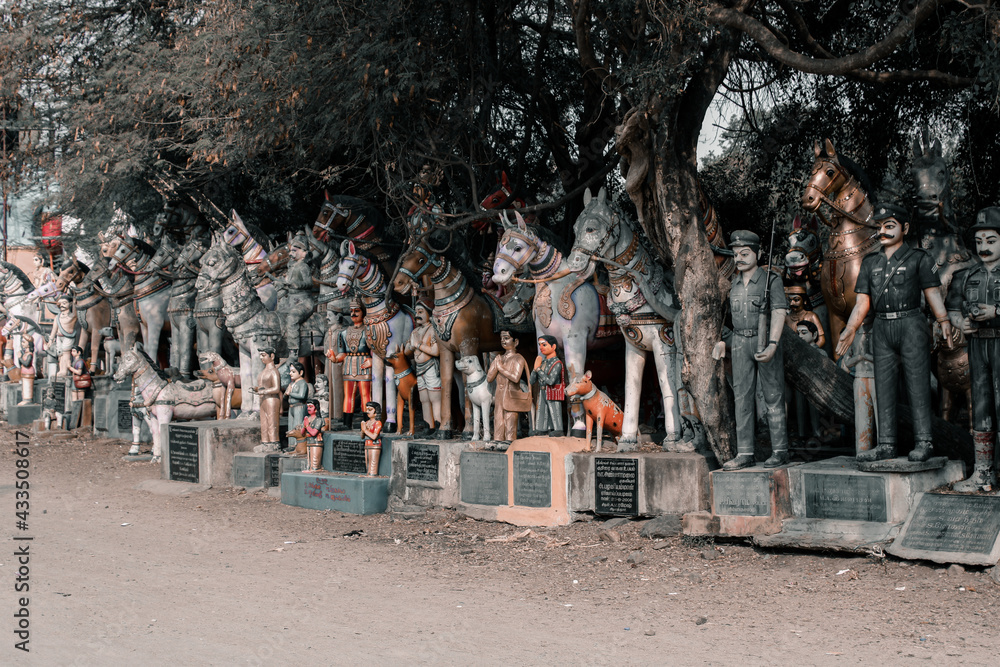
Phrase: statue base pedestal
x=638 y=484
x=112 y=413
x=18 y=415
x=258 y=470
x=425 y=472
x=527 y=485
x=10 y=395
x=344 y=492
x=836 y=506
x=202 y=452
x=751 y=501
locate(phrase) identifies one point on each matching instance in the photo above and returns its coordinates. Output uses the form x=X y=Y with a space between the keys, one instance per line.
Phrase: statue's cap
x=795 y=289
x=886 y=211
x=426 y=304
x=988 y=218
x=355 y=302
x=299 y=241
x=744 y=238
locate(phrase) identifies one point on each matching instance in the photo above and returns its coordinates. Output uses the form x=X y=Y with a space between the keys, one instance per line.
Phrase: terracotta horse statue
x=841 y=185
x=645 y=306
x=185 y=335
x=146 y=267
x=250 y=323
x=252 y=245
x=566 y=305
x=92 y=306
x=465 y=322
x=936 y=227
x=15 y=288
x=165 y=401
x=387 y=328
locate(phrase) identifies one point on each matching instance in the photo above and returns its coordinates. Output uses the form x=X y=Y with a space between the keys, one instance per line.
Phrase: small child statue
x=371 y=429
x=806 y=414
x=27 y=361
x=312 y=428
x=51 y=409
x=323 y=395
x=550 y=376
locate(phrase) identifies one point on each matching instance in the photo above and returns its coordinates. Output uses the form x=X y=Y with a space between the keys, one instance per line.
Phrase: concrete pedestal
x=18 y=415
x=10 y=395
x=638 y=484
x=752 y=501
x=202 y=452
x=836 y=506
x=426 y=472
x=112 y=414
x=537 y=482
x=344 y=492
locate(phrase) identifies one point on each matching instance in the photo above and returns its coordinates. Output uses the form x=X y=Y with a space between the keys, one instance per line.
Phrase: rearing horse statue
x=837 y=182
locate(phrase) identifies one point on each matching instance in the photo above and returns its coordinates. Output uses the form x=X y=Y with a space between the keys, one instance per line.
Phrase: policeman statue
x=758 y=305
x=973 y=302
x=890 y=283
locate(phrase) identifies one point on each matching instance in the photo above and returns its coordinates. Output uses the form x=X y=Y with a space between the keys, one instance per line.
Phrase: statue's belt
x=746 y=333
x=986 y=333
x=898 y=314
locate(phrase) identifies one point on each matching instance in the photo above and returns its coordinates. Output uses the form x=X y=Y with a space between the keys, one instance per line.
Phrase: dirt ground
x=120 y=576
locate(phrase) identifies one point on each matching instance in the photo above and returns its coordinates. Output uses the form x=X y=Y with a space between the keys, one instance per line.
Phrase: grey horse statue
x=645 y=307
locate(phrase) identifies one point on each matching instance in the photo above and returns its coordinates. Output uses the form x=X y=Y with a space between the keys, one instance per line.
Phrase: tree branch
x=827 y=66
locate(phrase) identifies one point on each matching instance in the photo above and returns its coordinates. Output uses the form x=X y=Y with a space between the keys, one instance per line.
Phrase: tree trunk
x=665 y=192
x=832 y=390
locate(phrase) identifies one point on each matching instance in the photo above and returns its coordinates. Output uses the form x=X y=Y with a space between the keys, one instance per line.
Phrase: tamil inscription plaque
x=272 y=469
x=483 y=478
x=422 y=461
x=850 y=497
x=741 y=493
x=183 y=443
x=958 y=524
x=348 y=456
x=101 y=413
x=75 y=411
x=124 y=417
x=533 y=479
x=616 y=486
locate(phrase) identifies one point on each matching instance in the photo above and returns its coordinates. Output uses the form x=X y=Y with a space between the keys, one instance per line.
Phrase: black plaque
x=348 y=456
x=616 y=486
x=963 y=524
x=850 y=497
x=59 y=392
x=272 y=469
x=101 y=413
x=75 y=412
x=741 y=493
x=422 y=461
x=483 y=478
x=183 y=442
x=124 y=417
x=533 y=479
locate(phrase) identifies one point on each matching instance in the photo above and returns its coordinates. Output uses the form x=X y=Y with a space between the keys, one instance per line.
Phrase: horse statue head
x=413 y=264
x=131 y=252
x=597 y=230
x=130 y=363
x=504 y=197
x=218 y=263
x=109 y=239
x=932 y=184
x=187 y=262
x=803 y=249
x=516 y=248
x=352 y=264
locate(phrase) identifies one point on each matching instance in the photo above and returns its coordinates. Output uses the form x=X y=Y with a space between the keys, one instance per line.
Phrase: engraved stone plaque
x=483 y=478
x=272 y=470
x=850 y=497
x=616 y=486
x=422 y=461
x=741 y=493
x=965 y=524
x=348 y=456
x=124 y=417
x=183 y=453
x=533 y=479
x=101 y=413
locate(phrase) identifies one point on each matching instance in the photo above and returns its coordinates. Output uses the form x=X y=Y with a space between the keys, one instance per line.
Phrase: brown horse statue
x=463 y=319
x=91 y=306
x=837 y=182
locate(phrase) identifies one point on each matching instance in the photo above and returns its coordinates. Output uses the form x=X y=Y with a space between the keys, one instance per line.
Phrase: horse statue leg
x=575 y=349
x=448 y=376
x=635 y=361
x=667 y=373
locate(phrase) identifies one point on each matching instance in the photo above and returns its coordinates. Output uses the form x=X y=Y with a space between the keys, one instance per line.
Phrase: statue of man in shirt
x=890 y=283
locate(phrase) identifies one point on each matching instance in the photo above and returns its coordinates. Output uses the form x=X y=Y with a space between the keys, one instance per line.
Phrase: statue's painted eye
x=830 y=173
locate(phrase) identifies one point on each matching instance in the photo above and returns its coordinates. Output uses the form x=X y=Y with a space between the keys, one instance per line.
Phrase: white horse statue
x=646 y=308
x=165 y=401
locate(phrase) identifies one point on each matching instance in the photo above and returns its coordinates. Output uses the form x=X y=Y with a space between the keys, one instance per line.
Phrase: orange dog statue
x=599 y=408
x=406 y=382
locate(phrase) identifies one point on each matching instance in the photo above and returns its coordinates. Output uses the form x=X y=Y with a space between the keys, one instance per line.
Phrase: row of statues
x=289 y=304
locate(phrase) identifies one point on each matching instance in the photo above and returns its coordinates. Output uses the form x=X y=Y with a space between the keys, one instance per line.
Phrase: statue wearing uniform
x=355 y=355
x=891 y=282
x=301 y=302
x=974 y=306
x=758 y=306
